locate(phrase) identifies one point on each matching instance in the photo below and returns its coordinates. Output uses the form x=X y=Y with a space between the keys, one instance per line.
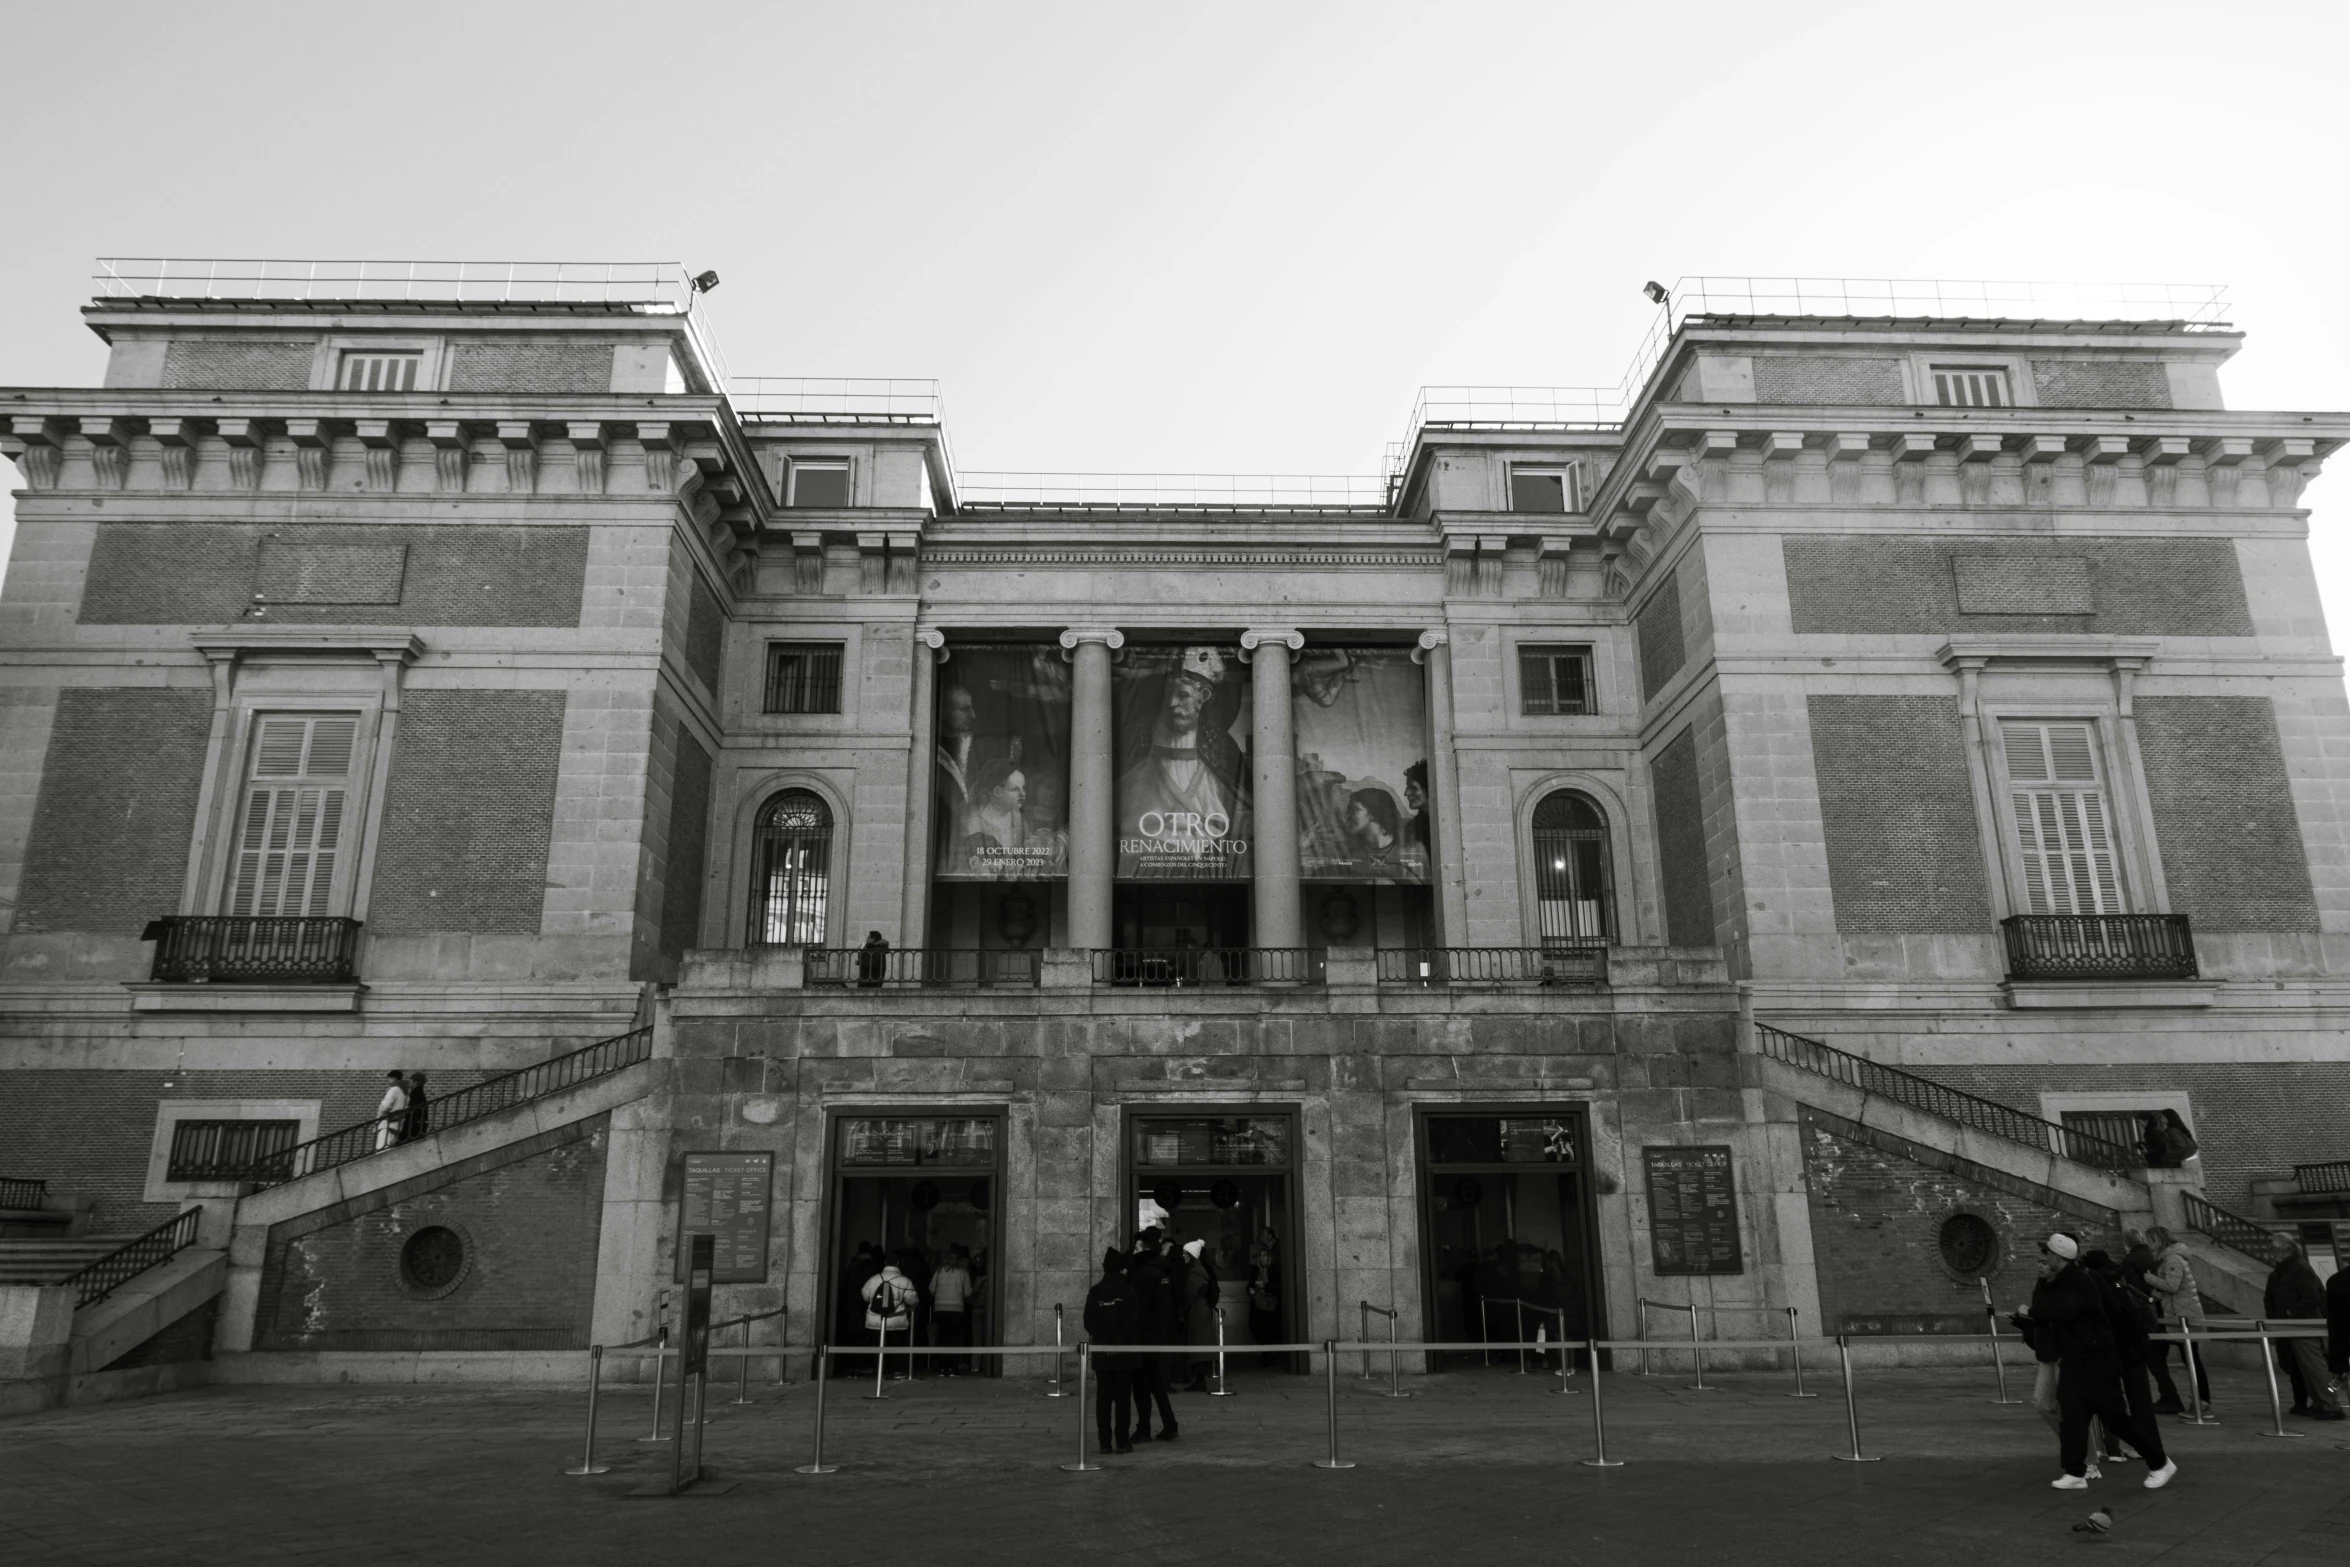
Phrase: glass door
x=1505 y=1213
x=1230 y=1182
x=921 y=1192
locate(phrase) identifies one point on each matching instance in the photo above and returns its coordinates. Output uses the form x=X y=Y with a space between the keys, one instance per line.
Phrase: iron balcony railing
x=222 y=1150
x=2332 y=1176
x=1178 y=968
x=901 y=968
x=2099 y=946
x=485 y=1098
x=237 y=949
x=1952 y=1104
x=18 y=1191
x=118 y=1267
x=2248 y=1236
x=1568 y=964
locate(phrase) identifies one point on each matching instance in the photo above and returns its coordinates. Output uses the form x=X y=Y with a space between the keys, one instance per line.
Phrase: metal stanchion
x=587 y=1464
x=660 y=1361
x=1795 y=1354
x=1998 y=1361
x=1394 y=1372
x=1330 y=1361
x=1641 y=1308
x=1084 y=1363
x=1521 y=1305
x=2268 y=1360
x=2195 y=1374
x=1222 y=1389
x=1851 y=1408
x=742 y=1389
x=1598 y=1425
x=823 y=1375
x=1053 y=1387
x=881 y=1358
x=1697 y=1355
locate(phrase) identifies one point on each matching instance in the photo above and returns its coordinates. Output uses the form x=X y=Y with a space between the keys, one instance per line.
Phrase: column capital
x=1109 y=636
x=1257 y=637
x=932 y=638
x=1429 y=642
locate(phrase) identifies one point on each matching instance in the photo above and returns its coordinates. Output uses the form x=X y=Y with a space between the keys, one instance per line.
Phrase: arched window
x=791 y=865
x=1574 y=886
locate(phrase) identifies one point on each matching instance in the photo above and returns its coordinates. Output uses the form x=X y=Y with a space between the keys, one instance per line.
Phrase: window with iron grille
x=291 y=820
x=2061 y=818
x=1553 y=680
x=1972 y=386
x=1551 y=489
x=803 y=677
x=378 y=372
x=1574 y=886
x=791 y=859
x=224 y=1150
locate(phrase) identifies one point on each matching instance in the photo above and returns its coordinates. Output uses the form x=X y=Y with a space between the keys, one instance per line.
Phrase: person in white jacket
x=391 y=1113
x=889 y=1308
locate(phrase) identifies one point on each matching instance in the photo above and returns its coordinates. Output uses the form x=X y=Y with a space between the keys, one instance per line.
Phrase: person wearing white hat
x=2068 y=1327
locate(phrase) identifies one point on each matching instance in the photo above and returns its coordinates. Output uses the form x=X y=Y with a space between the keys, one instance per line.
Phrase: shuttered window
x=2063 y=820
x=1971 y=386
x=390 y=372
x=291 y=823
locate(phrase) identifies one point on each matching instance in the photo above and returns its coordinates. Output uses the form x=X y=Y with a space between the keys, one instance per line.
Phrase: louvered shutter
x=291 y=830
x=2063 y=823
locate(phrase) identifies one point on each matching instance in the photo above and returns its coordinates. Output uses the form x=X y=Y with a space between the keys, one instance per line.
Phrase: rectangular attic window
x=1972 y=386
x=1542 y=489
x=819 y=483
x=377 y=372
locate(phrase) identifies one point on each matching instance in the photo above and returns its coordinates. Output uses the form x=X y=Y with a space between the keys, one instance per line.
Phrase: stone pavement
x=1478 y=1466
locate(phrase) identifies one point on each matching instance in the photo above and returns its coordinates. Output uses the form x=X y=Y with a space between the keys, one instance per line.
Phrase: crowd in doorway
x=1151 y=1319
x=905 y=1300
x=404 y=1114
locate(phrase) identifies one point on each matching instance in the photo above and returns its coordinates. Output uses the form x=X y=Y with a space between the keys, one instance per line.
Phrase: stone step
x=39 y=1261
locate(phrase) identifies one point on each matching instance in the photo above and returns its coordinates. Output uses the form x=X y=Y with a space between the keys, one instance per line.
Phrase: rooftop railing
x=811 y=399
x=1171 y=491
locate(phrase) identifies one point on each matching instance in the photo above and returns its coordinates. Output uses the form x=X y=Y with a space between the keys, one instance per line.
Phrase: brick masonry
x=206 y=573
x=1852 y=382
x=2090 y=383
x=199 y=365
x=1904 y=852
x=468 y=813
x=1852 y=584
x=531 y=367
x=528 y=1217
x=116 y=812
x=2024 y=585
x=1680 y=840
x=1658 y=627
x=2232 y=851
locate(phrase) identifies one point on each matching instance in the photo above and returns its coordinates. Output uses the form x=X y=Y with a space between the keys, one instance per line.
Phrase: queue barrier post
x=881 y=1358
x=1998 y=1360
x=1851 y=1406
x=1053 y=1388
x=1698 y=1355
x=1394 y=1365
x=1330 y=1365
x=1795 y=1354
x=2268 y=1361
x=1084 y=1365
x=1643 y=1314
x=823 y=1376
x=587 y=1464
x=742 y=1387
x=1598 y=1424
x=1222 y=1389
x=2195 y=1374
x=660 y=1368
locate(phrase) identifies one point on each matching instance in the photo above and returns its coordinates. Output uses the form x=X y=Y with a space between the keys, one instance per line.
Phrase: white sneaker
x=2069 y=1483
x=2161 y=1477
x=2096 y=1473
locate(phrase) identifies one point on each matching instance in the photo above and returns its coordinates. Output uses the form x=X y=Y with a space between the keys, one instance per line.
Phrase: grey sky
x=1209 y=238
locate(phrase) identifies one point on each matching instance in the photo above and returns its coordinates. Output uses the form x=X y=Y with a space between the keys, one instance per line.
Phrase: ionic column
x=1435 y=652
x=1093 y=819
x=1273 y=850
x=921 y=767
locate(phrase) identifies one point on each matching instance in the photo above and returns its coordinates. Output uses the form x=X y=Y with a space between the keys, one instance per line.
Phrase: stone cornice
x=2105 y=652
x=1139 y=555
x=248 y=639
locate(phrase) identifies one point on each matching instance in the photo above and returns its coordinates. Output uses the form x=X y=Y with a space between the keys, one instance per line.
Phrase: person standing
x=2172 y=1281
x=1113 y=1314
x=1264 y=1292
x=418 y=1120
x=1158 y=1287
x=2138 y=1265
x=391 y=1111
x=2295 y=1295
x=872 y=961
x=1201 y=1291
x=889 y=1308
x=2338 y=1318
x=950 y=1308
x=2131 y=1316
x=2068 y=1318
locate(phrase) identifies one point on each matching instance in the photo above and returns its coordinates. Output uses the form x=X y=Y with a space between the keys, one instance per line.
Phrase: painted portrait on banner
x=1183 y=774
x=1361 y=718
x=999 y=786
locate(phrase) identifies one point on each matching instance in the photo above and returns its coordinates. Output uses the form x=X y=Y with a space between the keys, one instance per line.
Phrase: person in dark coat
x=2294 y=1295
x=1160 y=1290
x=872 y=961
x=2137 y=1264
x=2131 y=1316
x=2338 y=1320
x=1113 y=1318
x=2067 y=1322
x=419 y=1120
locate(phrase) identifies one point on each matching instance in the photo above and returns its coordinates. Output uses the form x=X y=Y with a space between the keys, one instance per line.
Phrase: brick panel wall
x=1781 y=378
x=1849 y=584
x=1680 y=842
x=202 y=574
x=238 y=367
x=530 y=367
x=189 y=1338
x=1904 y=853
x=2232 y=854
x=689 y=845
x=2075 y=383
x=1658 y=626
x=468 y=813
x=116 y=812
x=1878 y=1203
x=705 y=632
x=528 y=1216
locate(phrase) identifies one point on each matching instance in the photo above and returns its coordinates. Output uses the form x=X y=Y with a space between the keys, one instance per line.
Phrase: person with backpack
x=1113 y=1318
x=2134 y=1323
x=1159 y=1289
x=2069 y=1327
x=889 y=1308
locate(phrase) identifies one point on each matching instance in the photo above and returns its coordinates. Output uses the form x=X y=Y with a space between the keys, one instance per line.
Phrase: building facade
x=1770 y=847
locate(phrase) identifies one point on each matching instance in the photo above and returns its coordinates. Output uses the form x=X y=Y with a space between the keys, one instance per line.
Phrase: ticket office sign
x=1693 y=1211
x=730 y=1197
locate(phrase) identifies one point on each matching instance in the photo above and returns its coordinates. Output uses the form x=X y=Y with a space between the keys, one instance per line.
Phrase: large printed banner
x=1183 y=769
x=999 y=799
x=1362 y=765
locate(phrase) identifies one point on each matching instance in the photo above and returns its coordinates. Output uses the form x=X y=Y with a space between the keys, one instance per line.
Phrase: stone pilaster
x=1274 y=852
x=1093 y=819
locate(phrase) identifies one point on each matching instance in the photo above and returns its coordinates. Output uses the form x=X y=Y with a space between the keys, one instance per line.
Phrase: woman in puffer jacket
x=2173 y=1282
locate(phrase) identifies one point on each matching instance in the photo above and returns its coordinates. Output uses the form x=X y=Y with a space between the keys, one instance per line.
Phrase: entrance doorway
x=1505 y=1206
x=924 y=1192
x=1229 y=1181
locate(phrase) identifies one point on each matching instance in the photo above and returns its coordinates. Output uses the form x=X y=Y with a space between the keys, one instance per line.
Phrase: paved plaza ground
x=1479 y=1467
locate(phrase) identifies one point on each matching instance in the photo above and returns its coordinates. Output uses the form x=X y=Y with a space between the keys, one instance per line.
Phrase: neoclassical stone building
x=1775 y=843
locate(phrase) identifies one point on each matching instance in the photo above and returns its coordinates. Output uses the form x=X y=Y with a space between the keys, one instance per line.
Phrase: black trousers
x=2137 y=1396
x=2091 y=1385
x=953 y=1331
x=1151 y=1385
x=1113 y=1397
x=2192 y=1359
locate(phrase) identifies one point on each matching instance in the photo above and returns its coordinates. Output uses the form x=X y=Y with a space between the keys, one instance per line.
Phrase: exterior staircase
x=44 y=1261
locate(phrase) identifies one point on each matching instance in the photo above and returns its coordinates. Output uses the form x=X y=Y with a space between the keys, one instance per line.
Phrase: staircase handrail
x=2232 y=1230
x=1952 y=1104
x=127 y=1261
x=485 y=1098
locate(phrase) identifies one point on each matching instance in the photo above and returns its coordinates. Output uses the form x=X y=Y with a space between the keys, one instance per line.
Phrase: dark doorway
x=1228 y=1179
x=1505 y=1208
x=1172 y=916
x=923 y=1191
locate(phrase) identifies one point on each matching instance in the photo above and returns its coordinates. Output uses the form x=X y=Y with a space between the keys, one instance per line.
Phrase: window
x=1969 y=1246
x=226 y=1150
x=803 y=677
x=2062 y=822
x=1972 y=386
x=1573 y=882
x=290 y=826
x=819 y=483
x=791 y=863
x=379 y=372
x=1544 y=489
x=1554 y=680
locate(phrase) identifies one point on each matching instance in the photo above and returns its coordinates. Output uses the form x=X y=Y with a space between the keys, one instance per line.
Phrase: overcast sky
x=1205 y=238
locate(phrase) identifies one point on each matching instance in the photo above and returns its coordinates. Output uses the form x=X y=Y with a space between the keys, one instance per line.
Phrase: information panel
x=1693 y=1211
x=729 y=1196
